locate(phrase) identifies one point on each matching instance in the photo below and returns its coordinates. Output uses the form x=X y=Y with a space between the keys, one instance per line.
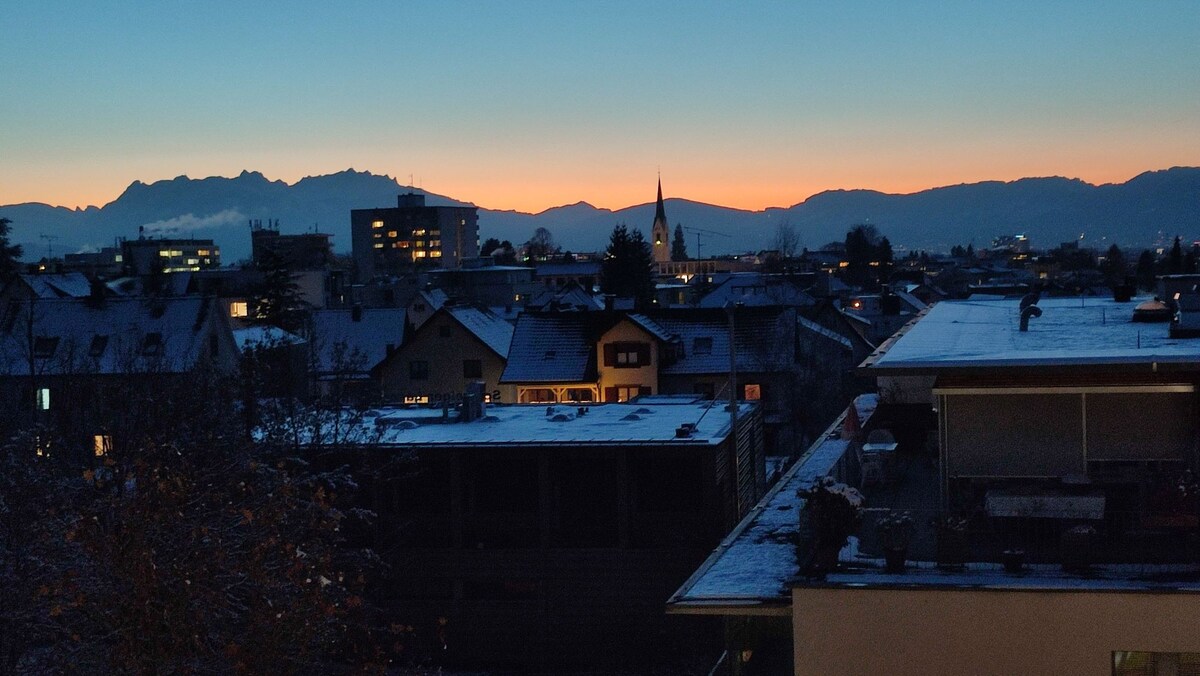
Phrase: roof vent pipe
x=1030 y=298
x=1026 y=313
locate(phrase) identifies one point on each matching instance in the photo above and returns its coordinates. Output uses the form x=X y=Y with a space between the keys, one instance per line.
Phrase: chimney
x=97 y=292
x=1027 y=312
x=356 y=312
x=473 y=407
x=609 y=301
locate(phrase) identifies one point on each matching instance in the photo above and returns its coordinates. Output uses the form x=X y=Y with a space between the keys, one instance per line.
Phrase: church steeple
x=660 y=232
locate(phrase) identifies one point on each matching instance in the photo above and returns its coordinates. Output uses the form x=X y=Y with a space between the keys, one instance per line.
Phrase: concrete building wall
x=932 y=631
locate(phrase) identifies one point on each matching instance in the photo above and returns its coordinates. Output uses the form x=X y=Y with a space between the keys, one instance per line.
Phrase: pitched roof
x=756 y=289
x=569 y=298
x=65 y=285
x=556 y=347
x=336 y=337
x=120 y=335
x=263 y=336
x=762 y=338
x=489 y=328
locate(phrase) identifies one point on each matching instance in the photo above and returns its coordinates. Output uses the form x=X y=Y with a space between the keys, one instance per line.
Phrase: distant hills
x=1048 y=210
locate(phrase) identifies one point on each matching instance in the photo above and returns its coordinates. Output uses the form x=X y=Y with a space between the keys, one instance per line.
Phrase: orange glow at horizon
x=540 y=190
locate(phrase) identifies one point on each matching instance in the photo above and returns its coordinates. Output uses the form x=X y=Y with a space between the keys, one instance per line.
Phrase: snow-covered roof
x=763 y=340
x=557 y=347
x=1070 y=331
x=64 y=285
x=119 y=335
x=870 y=573
x=263 y=336
x=337 y=336
x=570 y=297
x=491 y=329
x=753 y=565
x=828 y=333
x=580 y=268
x=650 y=326
x=756 y=289
x=635 y=423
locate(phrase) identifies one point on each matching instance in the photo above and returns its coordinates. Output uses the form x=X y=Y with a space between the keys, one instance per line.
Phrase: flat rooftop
x=651 y=422
x=1070 y=332
x=870 y=574
x=750 y=571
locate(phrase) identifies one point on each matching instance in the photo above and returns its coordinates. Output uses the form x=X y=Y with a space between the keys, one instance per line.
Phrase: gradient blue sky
x=528 y=105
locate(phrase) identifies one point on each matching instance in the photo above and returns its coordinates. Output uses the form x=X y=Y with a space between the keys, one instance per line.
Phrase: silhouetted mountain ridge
x=1049 y=210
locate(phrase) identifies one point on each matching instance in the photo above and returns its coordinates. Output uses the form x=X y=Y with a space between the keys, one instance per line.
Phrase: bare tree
x=786 y=241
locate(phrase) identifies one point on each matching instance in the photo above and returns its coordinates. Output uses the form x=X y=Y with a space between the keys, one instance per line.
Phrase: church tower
x=660 y=233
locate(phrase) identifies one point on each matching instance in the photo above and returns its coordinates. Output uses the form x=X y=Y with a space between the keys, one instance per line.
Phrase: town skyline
x=534 y=105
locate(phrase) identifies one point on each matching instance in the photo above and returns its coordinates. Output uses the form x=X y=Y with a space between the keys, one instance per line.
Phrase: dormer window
x=152 y=344
x=99 y=342
x=44 y=346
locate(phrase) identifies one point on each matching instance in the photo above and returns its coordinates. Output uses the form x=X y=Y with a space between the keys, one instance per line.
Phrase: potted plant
x=952 y=541
x=834 y=511
x=895 y=529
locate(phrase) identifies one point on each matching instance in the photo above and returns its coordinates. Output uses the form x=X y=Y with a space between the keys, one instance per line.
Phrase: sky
x=529 y=105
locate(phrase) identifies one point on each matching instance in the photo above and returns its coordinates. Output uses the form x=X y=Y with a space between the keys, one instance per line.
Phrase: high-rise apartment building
x=398 y=239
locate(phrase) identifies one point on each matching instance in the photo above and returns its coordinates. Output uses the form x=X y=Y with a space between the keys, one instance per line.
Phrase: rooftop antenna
x=49 y=245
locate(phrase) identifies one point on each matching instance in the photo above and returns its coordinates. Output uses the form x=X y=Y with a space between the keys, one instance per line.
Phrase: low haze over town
x=622 y=339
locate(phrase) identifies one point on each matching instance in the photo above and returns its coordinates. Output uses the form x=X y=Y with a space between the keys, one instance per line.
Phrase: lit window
x=393 y=234
x=462 y=221
x=420 y=244
x=435 y=233
x=239 y=308
x=418 y=254
x=202 y=252
x=405 y=244
x=752 y=392
x=101 y=444
x=435 y=242
x=416 y=400
x=164 y=253
x=378 y=245
x=377 y=224
x=435 y=254
x=193 y=261
x=43 y=398
x=418 y=233
x=628 y=392
x=118 y=258
x=378 y=235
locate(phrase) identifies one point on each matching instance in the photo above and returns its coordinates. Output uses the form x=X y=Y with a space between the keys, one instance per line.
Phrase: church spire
x=660 y=231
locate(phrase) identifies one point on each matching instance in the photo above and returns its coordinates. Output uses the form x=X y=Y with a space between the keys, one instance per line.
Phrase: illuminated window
x=393 y=234
x=435 y=242
x=462 y=221
x=118 y=258
x=416 y=400
x=101 y=444
x=202 y=252
x=378 y=235
x=378 y=245
x=164 y=253
x=435 y=254
x=404 y=244
x=420 y=244
x=627 y=392
x=239 y=308
x=376 y=224
x=418 y=254
x=418 y=233
x=752 y=392
x=193 y=261
x=43 y=398
x=436 y=233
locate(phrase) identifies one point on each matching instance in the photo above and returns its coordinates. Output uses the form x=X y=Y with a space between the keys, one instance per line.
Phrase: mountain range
x=1137 y=213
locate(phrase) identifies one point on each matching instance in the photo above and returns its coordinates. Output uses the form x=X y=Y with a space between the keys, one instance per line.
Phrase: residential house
x=458 y=345
x=345 y=345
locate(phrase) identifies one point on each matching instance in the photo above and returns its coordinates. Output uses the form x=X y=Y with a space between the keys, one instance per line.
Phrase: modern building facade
x=396 y=240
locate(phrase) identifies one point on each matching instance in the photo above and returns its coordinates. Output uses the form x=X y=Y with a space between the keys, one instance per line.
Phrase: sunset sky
x=528 y=105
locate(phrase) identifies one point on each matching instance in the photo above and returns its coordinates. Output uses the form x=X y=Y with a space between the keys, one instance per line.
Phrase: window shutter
x=610 y=394
x=610 y=355
x=643 y=350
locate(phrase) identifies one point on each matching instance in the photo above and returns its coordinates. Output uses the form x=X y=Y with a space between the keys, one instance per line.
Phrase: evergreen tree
x=1145 y=271
x=678 y=245
x=862 y=243
x=1114 y=268
x=628 y=267
x=1175 y=258
x=489 y=245
x=277 y=300
x=9 y=253
x=886 y=260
